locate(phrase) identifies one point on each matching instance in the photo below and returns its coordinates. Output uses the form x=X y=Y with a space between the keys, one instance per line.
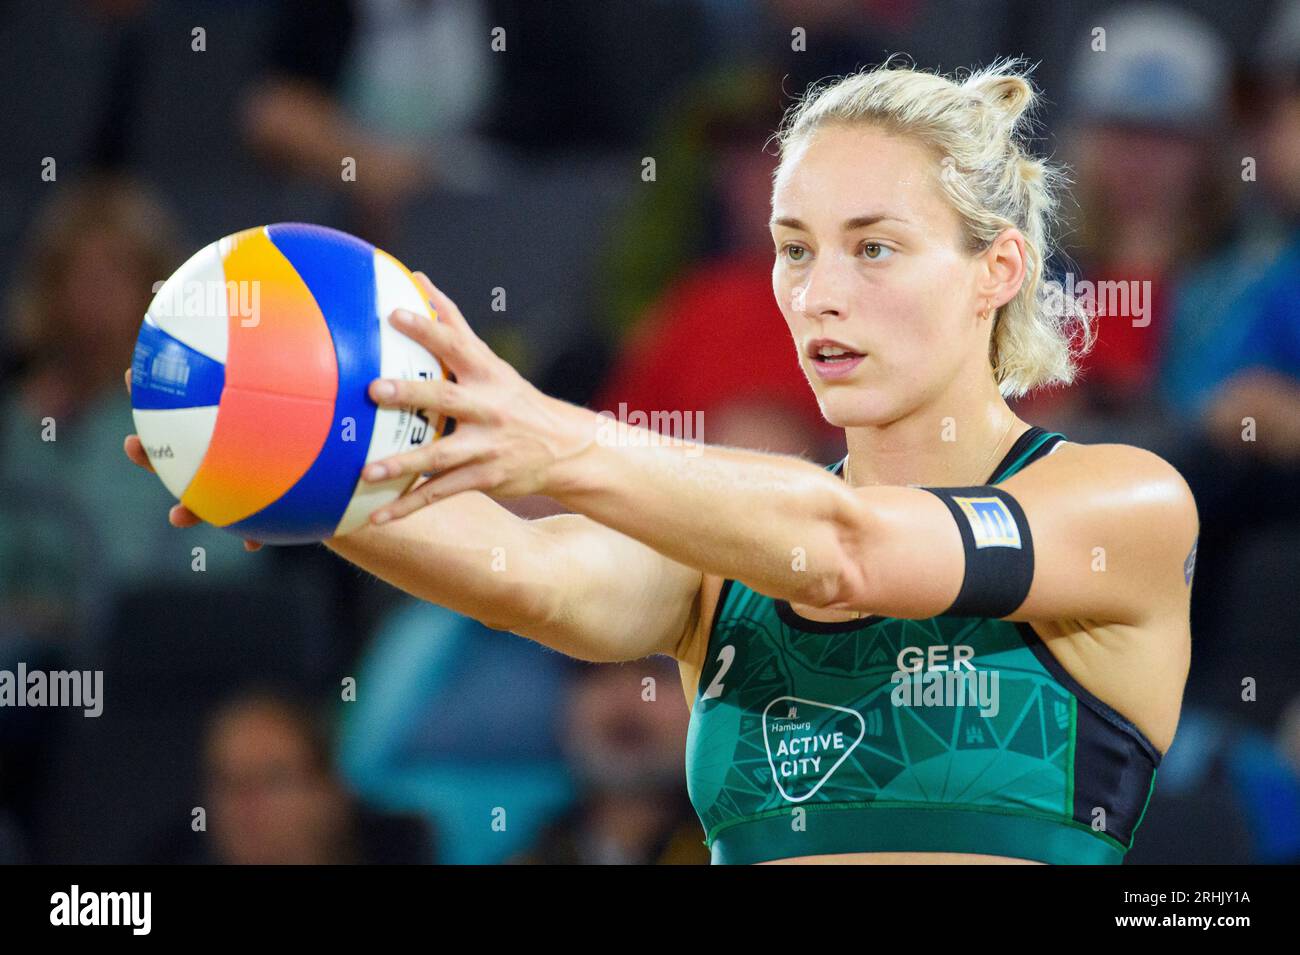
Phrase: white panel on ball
x=176 y=439
x=192 y=306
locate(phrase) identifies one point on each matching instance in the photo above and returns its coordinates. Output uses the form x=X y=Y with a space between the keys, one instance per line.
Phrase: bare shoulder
x=1123 y=458
x=1107 y=507
x=1129 y=479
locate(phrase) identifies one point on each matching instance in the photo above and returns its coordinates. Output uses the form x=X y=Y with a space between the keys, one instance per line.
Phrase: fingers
x=134 y=449
x=453 y=482
x=442 y=455
x=444 y=397
x=182 y=516
x=128 y=381
x=443 y=307
x=452 y=345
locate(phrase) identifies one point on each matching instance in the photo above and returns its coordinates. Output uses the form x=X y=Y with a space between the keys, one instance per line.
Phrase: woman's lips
x=832 y=368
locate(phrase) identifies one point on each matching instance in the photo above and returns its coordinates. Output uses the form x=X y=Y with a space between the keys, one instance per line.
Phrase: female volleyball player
x=966 y=642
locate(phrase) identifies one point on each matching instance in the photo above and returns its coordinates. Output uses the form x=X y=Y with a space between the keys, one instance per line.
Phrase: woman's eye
x=790 y=251
x=874 y=250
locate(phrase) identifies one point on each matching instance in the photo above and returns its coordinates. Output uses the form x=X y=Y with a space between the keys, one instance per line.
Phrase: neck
x=935 y=447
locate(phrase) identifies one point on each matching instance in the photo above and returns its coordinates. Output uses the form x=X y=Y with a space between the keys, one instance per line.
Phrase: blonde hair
x=979 y=125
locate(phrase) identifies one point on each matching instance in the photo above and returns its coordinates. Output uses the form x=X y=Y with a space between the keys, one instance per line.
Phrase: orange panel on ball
x=263 y=443
x=279 y=340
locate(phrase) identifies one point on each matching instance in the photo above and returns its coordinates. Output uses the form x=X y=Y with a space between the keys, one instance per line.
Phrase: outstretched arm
x=565 y=581
x=1112 y=528
x=781 y=525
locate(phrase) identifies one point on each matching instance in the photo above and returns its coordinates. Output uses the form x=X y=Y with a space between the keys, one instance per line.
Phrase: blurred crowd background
x=522 y=170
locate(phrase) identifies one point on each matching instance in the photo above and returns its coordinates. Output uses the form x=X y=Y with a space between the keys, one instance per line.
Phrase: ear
x=1006 y=263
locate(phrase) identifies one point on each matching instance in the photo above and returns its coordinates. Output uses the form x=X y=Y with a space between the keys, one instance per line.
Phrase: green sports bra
x=950 y=734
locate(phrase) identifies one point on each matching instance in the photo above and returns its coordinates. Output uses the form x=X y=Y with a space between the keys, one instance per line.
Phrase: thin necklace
x=848 y=459
x=848 y=475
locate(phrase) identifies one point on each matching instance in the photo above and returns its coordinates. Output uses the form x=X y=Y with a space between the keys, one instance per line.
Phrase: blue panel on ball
x=339 y=270
x=166 y=373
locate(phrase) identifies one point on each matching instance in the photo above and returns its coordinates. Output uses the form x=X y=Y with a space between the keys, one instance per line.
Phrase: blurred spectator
x=92 y=257
x=1232 y=375
x=711 y=195
x=675 y=220
x=1150 y=111
x=272 y=796
x=717 y=350
x=715 y=343
x=1288 y=737
x=1225 y=794
x=398 y=86
x=1236 y=348
x=91 y=261
x=625 y=733
x=460 y=724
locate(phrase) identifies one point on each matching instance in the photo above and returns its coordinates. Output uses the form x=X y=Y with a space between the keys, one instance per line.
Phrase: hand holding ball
x=250 y=375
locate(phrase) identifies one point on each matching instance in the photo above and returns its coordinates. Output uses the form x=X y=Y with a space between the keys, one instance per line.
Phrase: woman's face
x=870 y=259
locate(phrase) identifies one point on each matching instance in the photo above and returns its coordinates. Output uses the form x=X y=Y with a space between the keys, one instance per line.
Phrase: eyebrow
x=857 y=222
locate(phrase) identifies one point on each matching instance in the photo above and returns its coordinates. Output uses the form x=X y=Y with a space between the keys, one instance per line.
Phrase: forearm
x=776 y=523
x=565 y=581
x=784 y=526
x=466 y=553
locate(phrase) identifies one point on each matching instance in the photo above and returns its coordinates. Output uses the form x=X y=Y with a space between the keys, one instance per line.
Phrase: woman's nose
x=823 y=294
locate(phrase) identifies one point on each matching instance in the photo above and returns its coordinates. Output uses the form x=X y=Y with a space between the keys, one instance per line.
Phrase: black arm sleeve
x=998 y=546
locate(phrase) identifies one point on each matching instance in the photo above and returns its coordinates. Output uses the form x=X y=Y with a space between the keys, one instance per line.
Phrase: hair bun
x=1010 y=94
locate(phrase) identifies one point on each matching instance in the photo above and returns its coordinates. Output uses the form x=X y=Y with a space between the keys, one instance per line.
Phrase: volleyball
x=250 y=374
